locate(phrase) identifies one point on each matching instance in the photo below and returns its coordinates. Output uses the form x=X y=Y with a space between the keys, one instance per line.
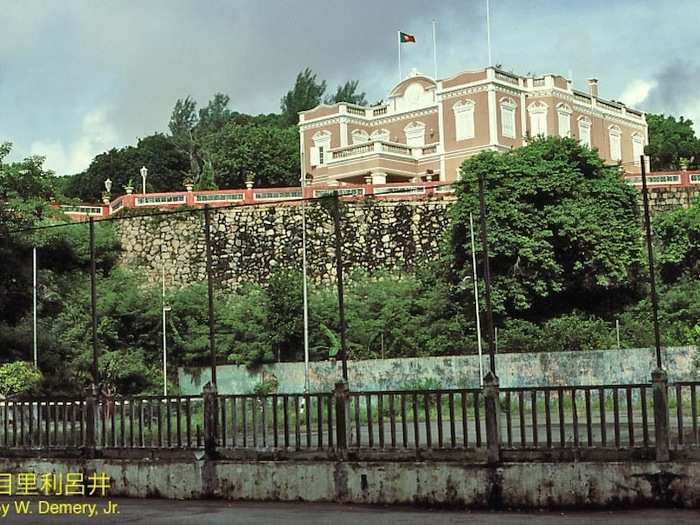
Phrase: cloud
x=98 y=135
x=637 y=92
x=675 y=91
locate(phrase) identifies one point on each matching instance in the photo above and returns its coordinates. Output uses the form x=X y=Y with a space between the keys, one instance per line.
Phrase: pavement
x=160 y=511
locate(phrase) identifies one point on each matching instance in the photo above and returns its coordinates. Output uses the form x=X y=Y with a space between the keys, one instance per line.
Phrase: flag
x=405 y=38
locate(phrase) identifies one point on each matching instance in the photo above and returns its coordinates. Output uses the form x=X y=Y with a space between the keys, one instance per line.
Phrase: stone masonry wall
x=664 y=199
x=249 y=243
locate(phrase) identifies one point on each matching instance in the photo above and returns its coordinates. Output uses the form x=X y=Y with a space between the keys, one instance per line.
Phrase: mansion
x=428 y=127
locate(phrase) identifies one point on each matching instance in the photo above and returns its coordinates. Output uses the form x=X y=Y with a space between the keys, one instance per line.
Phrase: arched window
x=319 y=151
x=615 y=136
x=538 y=118
x=637 y=147
x=415 y=134
x=359 y=136
x=381 y=134
x=508 y=107
x=564 y=119
x=464 y=119
x=584 y=130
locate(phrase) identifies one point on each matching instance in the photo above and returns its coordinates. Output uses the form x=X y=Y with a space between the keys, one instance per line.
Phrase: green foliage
x=677 y=236
x=161 y=154
x=267 y=386
x=19 y=378
x=272 y=153
x=306 y=94
x=571 y=332
x=127 y=373
x=348 y=93
x=671 y=140
x=563 y=229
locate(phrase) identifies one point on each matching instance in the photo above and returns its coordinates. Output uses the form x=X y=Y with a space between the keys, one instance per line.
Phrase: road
x=157 y=512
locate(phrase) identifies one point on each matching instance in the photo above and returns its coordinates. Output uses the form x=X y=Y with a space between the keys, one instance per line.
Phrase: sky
x=78 y=77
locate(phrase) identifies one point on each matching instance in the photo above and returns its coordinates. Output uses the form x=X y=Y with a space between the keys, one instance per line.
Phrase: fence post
x=659 y=380
x=210 y=419
x=491 y=402
x=341 y=397
x=90 y=420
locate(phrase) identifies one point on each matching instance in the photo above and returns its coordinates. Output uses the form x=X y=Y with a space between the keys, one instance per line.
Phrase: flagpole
x=398 y=41
x=34 y=309
x=488 y=30
x=435 y=50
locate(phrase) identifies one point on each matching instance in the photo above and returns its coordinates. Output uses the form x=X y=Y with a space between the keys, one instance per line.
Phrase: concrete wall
x=632 y=365
x=519 y=485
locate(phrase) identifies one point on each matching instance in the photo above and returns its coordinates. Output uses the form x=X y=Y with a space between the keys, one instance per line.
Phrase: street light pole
x=144 y=174
x=476 y=302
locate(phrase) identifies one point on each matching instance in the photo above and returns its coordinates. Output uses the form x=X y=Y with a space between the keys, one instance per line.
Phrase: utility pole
x=339 y=278
x=210 y=290
x=93 y=301
x=487 y=276
x=652 y=276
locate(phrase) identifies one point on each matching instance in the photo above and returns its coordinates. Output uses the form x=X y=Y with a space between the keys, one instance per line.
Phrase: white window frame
x=637 y=147
x=415 y=134
x=584 y=131
x=508 y=107
x=564 y=113
x=615 y=141
x=359 y=136
x=319 y=151
x=538 y=115
x=381 y=134
x=464 y=119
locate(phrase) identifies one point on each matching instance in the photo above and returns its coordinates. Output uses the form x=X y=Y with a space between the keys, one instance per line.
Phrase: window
x=584 y=131
x=359 y=136
x=381 y=134
x=322 y=143
x=464 y=119
x=564 y=120
x=637 y=148
x=538 y=118
x=415 y=134
x=508 y=107
x=614 y=134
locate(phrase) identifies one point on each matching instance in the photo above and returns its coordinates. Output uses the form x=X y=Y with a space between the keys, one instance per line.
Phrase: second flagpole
x=398 y=44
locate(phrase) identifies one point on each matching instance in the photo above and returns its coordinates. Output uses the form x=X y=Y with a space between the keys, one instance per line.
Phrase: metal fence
x=656 y=417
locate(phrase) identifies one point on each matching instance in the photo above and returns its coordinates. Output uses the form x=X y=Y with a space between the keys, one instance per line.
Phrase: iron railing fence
x=622 y=417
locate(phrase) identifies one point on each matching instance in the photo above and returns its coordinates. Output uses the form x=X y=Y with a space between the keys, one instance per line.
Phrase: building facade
x=427 y=128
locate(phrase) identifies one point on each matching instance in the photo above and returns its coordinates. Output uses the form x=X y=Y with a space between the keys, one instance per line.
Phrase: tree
x=671 y=140
x=306 y=94
x=677 y=235
x=18 y=378
x=271 y=153
x=167 y=167
x=563 y=229
x=348 y=93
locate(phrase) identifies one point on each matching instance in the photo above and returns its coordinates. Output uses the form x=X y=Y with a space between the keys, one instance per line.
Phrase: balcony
x=365 y=149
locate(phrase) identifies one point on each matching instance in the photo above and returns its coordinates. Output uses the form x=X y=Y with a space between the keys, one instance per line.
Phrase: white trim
x=359 y=136
x=382 y=134
x=615 y=142
x=415 y=134
x=538 y=115
x=507 y=107
x=637 y=147
x=564 y=113
x=585 y=123
x=493 y=118
x=463 y=111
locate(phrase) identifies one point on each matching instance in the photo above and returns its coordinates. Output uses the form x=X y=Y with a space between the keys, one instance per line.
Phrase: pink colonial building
x=428 y=127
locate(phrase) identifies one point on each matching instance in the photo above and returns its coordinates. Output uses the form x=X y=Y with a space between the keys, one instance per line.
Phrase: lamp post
x=144 y=174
